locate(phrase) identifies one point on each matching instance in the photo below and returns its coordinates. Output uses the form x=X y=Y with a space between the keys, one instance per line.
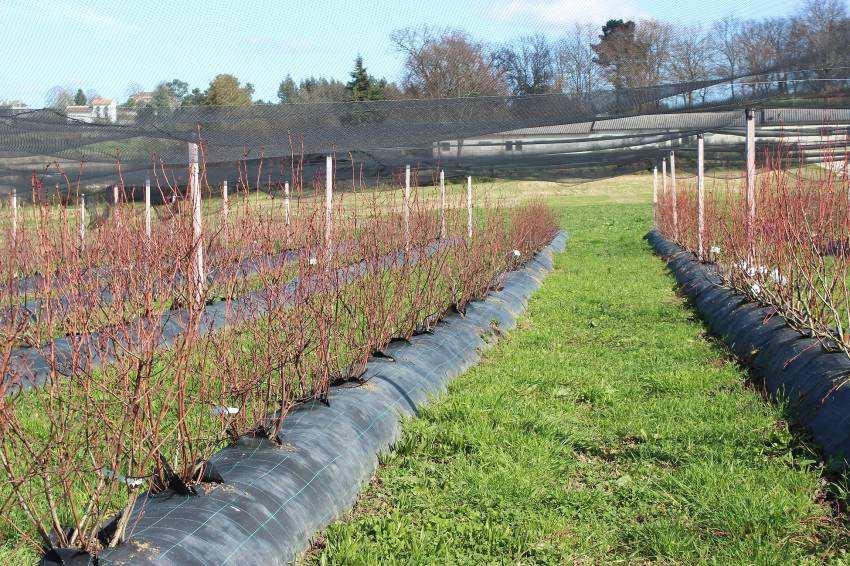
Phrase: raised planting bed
x=794 y=368
x=274 y=497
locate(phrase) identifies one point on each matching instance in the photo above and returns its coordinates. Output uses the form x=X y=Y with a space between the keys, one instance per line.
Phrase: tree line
x=622 y=54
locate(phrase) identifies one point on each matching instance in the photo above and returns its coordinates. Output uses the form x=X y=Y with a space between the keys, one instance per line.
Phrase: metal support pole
x=469 y=207
x=700 y=197
x=751 y=179
x=148 y=207
x=197 y=227
x=673 y=196
x=442 y=204
x=406 y=205
x=329 y=196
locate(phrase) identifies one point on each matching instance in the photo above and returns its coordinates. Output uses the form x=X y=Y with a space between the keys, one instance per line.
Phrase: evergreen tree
x=80 y=98
x=287 y=92
x=363 y=86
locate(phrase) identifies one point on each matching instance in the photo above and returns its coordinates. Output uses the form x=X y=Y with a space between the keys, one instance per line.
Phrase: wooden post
x=655 y=195
x=406 y=205
x=673 y=196
x=225 y=200
x=82 y=219
x=287 y=207
x=442 y=204
x=700 y=197
x=329 y=196
x=115 y=204
x=469 y=207
x=225 y=210
x=148 y=207
x=664 y=177
x=197 y=227
x=751 y=179
x=14 y=214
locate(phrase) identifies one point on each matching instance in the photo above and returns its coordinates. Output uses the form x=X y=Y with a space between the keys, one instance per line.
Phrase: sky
x=107 y=45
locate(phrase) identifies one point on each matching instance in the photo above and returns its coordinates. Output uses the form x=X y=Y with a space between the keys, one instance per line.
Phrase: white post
x=329 y=196
x=115 y=203
x=197 y=227
x=700 y=197
x=442 y=204
x=82 y=219
x=225 y=202
x=406 y=205
x=469 y=207
x=655 y=195
x=14 y=214
x=225 y=208
x=663 y=176
x=751 y=178
x=287 y=211
x=148 y=207
x=673 y=196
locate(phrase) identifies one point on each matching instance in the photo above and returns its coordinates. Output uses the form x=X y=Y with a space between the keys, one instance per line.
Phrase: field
x=607 y=428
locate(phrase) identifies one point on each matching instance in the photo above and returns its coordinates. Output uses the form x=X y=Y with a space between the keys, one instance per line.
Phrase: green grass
x=606 y=428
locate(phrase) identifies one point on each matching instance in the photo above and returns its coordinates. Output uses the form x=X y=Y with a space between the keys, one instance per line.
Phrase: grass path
x=606 y=428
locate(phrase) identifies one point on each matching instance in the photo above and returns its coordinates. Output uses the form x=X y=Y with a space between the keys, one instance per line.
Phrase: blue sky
x=106 y=45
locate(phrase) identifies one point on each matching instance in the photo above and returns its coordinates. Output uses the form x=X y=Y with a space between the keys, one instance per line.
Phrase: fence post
x=751 y=179
x=14 y=214
x=115 y=204
x=82 y=219
x=673 y=196
x=148 y=207
x=700 y=197
x=406 y=205
x=197 y=227
x=655 y=195
x=442 y=204
x=329 y=196
x=287 y=211
x=225 y=209
x=469 y=207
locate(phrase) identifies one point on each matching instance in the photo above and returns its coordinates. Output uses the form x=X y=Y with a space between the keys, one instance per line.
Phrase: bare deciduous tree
x=528 y=65
x=448 y=63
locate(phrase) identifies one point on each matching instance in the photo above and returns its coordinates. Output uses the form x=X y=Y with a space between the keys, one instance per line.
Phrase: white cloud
x=567 y=11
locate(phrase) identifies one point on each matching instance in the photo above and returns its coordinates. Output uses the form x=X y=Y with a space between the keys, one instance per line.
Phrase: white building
x=100 y=110
x=105 y=109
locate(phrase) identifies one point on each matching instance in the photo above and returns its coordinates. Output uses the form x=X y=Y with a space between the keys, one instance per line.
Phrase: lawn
x=606 y=428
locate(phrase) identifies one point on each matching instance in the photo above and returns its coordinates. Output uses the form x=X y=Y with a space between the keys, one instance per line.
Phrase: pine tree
x=363 y=86
x=80 y=98
x=287 y=92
